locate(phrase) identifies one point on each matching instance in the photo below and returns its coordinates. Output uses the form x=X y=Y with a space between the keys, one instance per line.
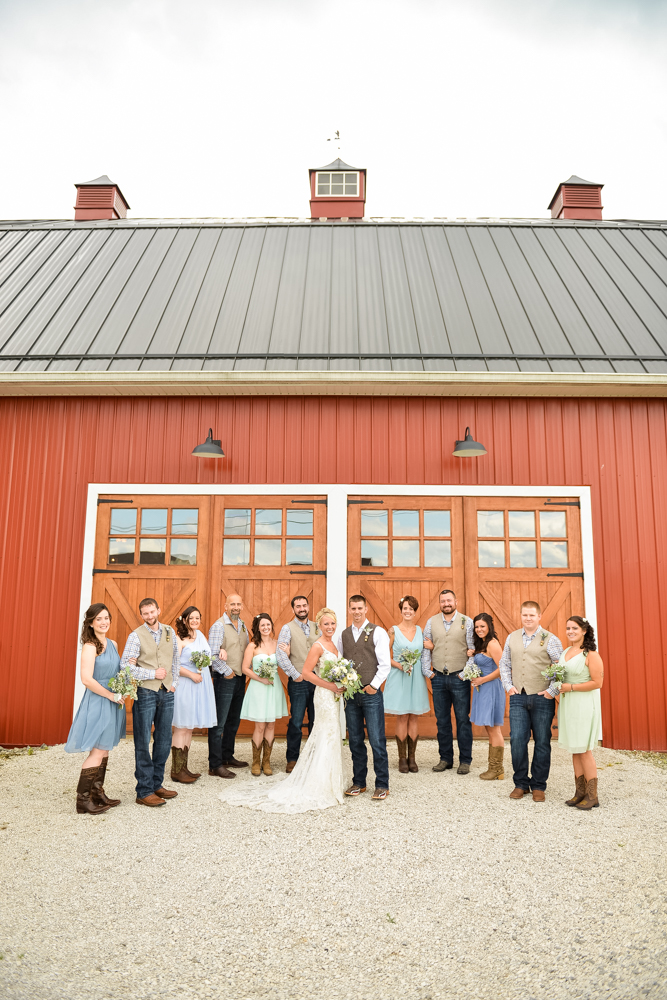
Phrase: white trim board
x=336 y=495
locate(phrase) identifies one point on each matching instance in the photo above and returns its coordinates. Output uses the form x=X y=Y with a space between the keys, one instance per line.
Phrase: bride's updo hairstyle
x=323 y=613
x=588 y=644
x=257 y=636
x=181 y=626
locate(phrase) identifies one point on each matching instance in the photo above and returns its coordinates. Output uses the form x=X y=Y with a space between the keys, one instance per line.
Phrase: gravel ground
x=446 y=890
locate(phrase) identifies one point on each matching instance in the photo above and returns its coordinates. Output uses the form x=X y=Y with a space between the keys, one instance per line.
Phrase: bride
x=317 y=779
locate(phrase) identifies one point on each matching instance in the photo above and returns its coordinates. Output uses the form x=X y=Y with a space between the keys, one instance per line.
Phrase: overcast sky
x=458 y=108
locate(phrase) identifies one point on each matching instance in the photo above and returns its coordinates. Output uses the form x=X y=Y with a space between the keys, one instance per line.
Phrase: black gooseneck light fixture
x=469 y=448
x=210 y=448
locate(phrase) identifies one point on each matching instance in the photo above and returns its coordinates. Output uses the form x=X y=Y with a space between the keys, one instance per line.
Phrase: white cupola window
x=338 y=184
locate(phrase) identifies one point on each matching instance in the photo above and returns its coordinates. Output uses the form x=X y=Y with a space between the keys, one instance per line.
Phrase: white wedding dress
x=317 y=779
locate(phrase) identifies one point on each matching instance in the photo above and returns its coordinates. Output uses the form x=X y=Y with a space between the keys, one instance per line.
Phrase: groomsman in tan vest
x=299 y=635
x=452 y=636
x=528 y=651
x=228 y=639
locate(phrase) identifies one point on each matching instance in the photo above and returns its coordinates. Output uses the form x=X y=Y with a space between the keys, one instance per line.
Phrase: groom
x=368 y=646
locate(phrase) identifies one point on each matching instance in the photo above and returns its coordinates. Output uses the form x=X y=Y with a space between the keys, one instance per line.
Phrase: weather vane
x=335 y=138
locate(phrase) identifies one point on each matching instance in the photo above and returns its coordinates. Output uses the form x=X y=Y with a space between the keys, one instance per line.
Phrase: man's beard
x=301 y=615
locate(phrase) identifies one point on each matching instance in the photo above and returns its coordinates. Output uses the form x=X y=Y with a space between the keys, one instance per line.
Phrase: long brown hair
x=257 y=636
x=588 y=643
x=480 y=643
x=181 y=625
x=87 y=631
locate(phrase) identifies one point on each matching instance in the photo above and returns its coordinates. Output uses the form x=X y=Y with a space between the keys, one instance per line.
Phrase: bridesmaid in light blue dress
x=264 y=700
x=194 y=699
x=488 y=694
x=406 y=694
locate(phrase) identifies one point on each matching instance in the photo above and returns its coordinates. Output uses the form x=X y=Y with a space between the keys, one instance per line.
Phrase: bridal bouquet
x=342 y=673
x=124 y=685
x=555 y=675
x=470 y=672
x=410 y=657
x=266 y=669
x=200 y=660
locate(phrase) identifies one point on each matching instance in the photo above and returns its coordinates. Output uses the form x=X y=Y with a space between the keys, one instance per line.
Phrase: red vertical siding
x=50 y=449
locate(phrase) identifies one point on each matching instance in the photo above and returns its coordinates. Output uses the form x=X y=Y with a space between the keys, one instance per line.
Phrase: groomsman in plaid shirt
x=228 y=639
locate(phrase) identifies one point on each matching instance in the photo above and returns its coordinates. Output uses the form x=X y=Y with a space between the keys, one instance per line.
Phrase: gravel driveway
x=446 y=890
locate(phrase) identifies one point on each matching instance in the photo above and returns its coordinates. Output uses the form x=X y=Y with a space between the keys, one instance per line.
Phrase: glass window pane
x=490 y=524
x=406 y=522
x=154 y=522
x=405 y=553
x=491 y=553
x=438 y=553
x=183 y=552
x=375 y=522
x=351 y=189
x=184 y=521
x=554 y=554
x=237 y=522
x=236 y=552
x=299 y=552
x=523 y=554
x=268 y=552
x=552 y=524
x=323 y=187
x=374 y=553
x=123 y=521
x=337 y=178
x=121 y=550
x=521 y=523
x=437 y=522
x=299 y=521
x=152 y=550
x=269 y=522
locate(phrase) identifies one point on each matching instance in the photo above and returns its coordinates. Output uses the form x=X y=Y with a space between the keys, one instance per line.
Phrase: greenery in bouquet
x=124 y=685
x=342 y=673
x=470 y=672
x=555 y=674
x=265 y=668
x=200 y=660
x=410 y=657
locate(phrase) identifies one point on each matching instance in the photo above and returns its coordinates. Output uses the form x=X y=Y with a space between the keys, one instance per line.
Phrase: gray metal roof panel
x=229 y=325
x=488 y=326
x=201 y=322
x=373 y=336
x=428 y=317
x=401 y=327
x=315 y=323
x=344 y=317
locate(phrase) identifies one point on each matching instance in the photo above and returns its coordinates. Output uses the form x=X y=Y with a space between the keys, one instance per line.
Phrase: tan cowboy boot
x=97 y=794
x=402 y=755
x=579 y=791
x=495 y=771
x=412 y=750
x=590 y=801
x=266 y=759
x=178 y=772
x=256 y=768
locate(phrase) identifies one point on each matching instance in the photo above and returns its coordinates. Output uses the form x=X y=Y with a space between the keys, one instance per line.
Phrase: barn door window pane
x=154 y=522
x=491 y=553
x=490 y=524
x=184 y=521
x=552 y=524
x=375 y=522
x=522 y=554
x=521 y=524
x=299 y=552
x=554 y=554
x=437 y=523
x=374 y=553
x=152 y=550
x=405 y=553
x=123 y=521
x=237 y=522
x=236 y=552
x=183 y=552
x=121 y=550
x=269 y=522
x=405 y=522
x=299 y=522
x=267 y=552
x=437 y=553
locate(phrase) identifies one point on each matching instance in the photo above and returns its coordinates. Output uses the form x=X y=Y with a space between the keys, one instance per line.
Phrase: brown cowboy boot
x=412 y=750
x=402 y=755
x=495 y=770
x=579 y=791
x=193 y=774
x=84 y=801
x=97 y=794
x=590 y=801
x=178 y=772
x=266 y=759
x=256 y=768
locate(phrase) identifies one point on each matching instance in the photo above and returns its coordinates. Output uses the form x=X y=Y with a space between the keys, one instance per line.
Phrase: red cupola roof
x=100 y=198
x=576 y=198
x=337 y=191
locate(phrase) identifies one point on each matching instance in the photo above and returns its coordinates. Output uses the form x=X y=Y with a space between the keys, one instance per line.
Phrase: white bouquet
x=342 y=673
x=470 y=672
x=555 y=675
x=266 y=669
x=199 y=660
x=123 y=685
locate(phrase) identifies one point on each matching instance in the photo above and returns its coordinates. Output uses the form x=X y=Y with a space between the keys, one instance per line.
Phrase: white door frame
x=337 y=496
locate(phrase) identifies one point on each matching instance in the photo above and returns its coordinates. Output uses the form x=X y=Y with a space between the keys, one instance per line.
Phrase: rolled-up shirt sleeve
x=381 y=642
x=426 y=653
x=284 y=661
x=175 y=660
x=555 y=650
x=131 y=652
x=216 y=637
x=506 y=666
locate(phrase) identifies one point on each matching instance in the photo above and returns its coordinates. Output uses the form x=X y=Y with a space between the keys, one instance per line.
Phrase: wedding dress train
x=317 y=779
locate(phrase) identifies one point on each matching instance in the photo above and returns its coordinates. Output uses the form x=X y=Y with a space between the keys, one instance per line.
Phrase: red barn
x=338 y=359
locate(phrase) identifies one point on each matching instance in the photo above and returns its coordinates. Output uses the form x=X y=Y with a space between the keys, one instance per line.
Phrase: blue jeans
x=531 y=712
x=228 y=703
x=301 y=694
x=368 y=707
x=448 y=690
x=151 y=708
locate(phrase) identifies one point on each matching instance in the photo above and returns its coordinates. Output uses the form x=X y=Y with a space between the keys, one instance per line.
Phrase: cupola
x=577 y=199
x=99 y=199
x=337 y=191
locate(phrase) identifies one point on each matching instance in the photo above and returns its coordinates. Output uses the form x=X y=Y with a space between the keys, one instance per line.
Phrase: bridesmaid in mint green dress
x=264 y=700
x=579 y=713
x=406 y=694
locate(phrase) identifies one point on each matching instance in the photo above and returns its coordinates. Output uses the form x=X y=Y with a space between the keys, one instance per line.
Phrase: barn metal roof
x=298 y=295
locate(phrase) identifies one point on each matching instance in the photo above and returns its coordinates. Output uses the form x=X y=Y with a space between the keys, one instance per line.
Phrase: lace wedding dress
x=317 y=780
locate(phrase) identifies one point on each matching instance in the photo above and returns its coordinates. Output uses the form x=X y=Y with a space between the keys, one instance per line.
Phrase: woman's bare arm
x=88 y=655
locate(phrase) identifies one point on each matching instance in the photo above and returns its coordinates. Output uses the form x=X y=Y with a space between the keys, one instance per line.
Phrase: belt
x=163 y=688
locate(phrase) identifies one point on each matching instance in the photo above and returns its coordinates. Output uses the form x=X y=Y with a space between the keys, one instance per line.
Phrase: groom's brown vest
x=362 y=652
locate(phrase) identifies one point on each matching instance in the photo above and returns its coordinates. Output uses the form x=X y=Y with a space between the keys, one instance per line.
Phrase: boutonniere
x=168 y=630
x=367 y=631
x=543 y=637
x=463 y=622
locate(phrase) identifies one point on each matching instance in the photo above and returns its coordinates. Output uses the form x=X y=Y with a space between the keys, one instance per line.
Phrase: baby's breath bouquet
x=265 y=668
x=200 y=660
x=410 y=657
x=470 y=672
x=123 y=685
x=342 y=673
x=555 y=674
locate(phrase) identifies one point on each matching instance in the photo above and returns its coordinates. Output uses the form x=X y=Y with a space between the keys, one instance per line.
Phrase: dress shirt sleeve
x=555 y=650
x=131 y=652
x=175 y=660
x=506 y=666
x=426 y=653
x=339 y=643
x=381 y=642
x=216 y=636
x=470 y=639
x=283 y=659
